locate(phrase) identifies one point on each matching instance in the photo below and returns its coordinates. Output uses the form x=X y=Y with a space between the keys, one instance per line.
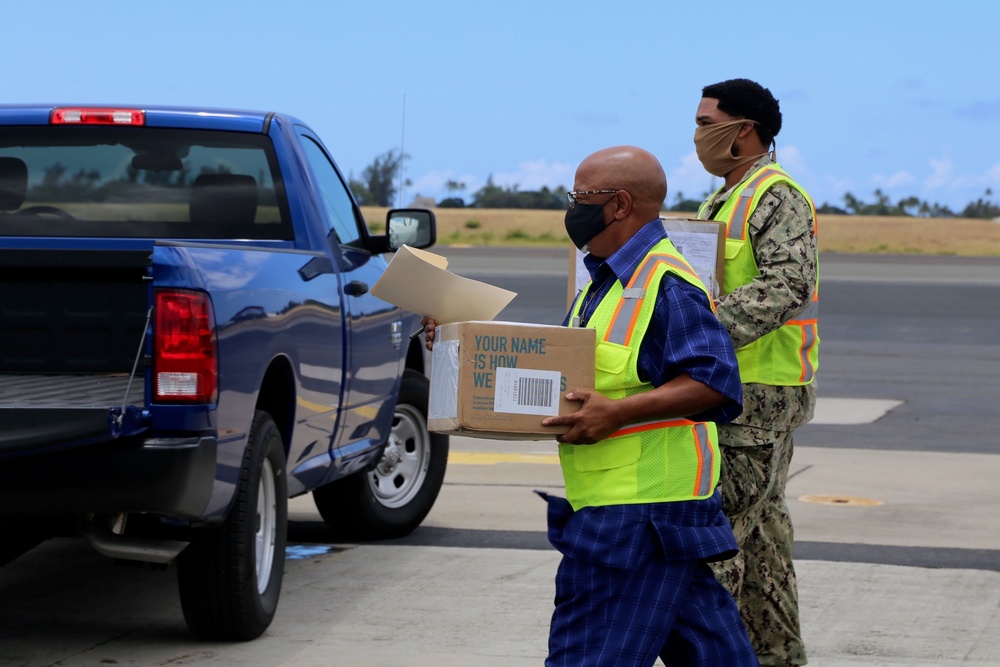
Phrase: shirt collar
x=624 y=261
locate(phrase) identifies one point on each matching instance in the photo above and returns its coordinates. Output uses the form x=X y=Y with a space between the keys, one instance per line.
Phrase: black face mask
x=584 y=222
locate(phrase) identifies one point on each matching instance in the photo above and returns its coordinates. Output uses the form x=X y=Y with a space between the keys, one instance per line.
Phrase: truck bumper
x=170 y=477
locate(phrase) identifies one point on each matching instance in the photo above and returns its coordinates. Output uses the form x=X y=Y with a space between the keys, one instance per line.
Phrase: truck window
x=140 y=182
x=336 y=198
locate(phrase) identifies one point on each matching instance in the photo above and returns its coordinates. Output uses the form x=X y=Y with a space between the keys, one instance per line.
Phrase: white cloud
x=432 y=184
x=896 y=180
x=942 y=173
x=830 y=189
x=530 y=175
x=956 y=187
x=689 y=179
x=992 y=177
x=791 y=158
x=536 y=174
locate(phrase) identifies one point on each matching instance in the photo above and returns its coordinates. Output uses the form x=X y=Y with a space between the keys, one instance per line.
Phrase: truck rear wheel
x=392 y=499
x=230 y=575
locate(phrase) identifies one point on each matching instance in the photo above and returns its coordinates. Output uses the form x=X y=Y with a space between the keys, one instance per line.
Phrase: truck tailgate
x=86 y=391
x=72 y=316
x=49 y=409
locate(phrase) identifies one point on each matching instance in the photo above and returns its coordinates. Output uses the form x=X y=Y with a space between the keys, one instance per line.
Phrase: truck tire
x=391 y=499
x=230 y=575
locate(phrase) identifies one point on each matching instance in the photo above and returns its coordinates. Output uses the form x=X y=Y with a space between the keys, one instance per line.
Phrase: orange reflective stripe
x=630 y=328
x=808 y=315
x=808 y=342
x=706 y=463
x=620 y=326
x=630 y=303
x=612 y=331
x=684 y=267
x=632 y=429
x=700 y=472
x=646 y=275
x=806 y=321
x=628 y=308
x=742 y=210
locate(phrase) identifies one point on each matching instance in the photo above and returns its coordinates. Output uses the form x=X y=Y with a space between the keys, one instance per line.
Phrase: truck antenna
x=402 y=153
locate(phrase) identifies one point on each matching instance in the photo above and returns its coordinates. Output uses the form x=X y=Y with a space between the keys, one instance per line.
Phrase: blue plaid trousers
x=624 y=596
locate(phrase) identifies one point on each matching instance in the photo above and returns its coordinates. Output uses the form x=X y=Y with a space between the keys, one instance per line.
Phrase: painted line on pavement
x=851 y=411
x=492 y=458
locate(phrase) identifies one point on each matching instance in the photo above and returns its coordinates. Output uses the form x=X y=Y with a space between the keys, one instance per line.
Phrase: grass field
x=837 y=233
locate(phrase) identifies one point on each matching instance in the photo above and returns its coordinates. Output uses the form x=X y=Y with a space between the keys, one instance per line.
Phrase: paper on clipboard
x=419 y=281
x=701 y=242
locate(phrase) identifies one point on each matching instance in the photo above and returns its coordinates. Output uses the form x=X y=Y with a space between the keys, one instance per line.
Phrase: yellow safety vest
x=656 y=461
x=788 y=355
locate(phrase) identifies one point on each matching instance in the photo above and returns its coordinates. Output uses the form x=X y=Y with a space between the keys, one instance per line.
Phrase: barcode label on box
x=527 y=392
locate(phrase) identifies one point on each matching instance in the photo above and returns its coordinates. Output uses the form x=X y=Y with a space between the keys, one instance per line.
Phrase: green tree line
x=377 y=187
x=983 y=207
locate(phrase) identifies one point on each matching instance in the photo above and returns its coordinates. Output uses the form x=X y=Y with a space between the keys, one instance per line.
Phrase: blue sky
x=902 y=96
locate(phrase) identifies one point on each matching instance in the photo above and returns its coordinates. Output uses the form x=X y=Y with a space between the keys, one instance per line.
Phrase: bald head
x=628 y=185
x=627 y=168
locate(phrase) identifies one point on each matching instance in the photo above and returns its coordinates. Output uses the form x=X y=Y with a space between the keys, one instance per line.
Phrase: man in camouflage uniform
x=772 y=220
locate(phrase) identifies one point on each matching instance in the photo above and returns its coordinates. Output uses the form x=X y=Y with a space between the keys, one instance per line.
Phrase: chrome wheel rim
x=400 y=473
x=267 y=526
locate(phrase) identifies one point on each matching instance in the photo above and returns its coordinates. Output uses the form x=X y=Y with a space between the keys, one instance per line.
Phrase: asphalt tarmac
x=893 y=493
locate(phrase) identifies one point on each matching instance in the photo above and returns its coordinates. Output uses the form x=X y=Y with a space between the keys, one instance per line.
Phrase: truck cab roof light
x=97 y=116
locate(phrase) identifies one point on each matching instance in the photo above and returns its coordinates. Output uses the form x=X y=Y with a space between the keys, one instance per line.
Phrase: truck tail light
x=91 y=116
x=185 y=350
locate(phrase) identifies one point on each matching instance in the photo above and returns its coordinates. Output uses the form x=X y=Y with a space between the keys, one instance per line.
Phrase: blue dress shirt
x=684 y=335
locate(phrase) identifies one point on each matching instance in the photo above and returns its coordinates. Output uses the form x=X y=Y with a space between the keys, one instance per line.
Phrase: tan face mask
x=714 y=145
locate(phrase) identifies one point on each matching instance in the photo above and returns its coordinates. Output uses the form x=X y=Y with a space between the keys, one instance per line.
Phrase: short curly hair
x=743 y=98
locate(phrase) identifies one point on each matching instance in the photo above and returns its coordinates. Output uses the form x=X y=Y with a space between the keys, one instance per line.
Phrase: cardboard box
x=500 y=379
x=419 y=281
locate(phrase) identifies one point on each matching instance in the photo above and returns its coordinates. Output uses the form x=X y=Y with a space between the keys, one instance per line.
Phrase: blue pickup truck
x=187 y=340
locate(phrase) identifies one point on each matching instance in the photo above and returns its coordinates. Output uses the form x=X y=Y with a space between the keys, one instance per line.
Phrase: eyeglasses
x=573 y=196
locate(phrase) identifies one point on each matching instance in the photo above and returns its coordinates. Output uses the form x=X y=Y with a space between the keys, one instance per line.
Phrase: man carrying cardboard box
x=642 y=516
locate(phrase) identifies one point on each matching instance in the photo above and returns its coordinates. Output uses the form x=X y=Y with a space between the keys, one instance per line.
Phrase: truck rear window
x=140 y=182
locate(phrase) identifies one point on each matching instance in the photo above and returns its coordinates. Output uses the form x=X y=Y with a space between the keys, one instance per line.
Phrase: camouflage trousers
x=761 y=577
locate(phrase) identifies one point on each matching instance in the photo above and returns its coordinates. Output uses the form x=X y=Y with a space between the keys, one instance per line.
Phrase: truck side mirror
x=414 y=227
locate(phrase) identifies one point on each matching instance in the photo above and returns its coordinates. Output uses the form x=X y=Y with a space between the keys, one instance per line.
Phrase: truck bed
x=42 y=410
x=74 y=391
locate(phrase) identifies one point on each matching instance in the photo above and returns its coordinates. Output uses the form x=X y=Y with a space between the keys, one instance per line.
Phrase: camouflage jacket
x=784 y=246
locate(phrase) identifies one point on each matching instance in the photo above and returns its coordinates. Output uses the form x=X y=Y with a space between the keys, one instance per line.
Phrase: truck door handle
x=355 y=288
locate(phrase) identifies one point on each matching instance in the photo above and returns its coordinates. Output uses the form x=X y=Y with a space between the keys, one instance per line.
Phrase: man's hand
x=430 y=326
x=597 y=418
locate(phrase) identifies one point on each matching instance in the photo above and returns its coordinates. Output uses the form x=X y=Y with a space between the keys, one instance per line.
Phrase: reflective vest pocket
x=766 y=361
x=741 y=267
x=611 y=362
x=607 y=455
x=605 y=473
x=733 y=249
